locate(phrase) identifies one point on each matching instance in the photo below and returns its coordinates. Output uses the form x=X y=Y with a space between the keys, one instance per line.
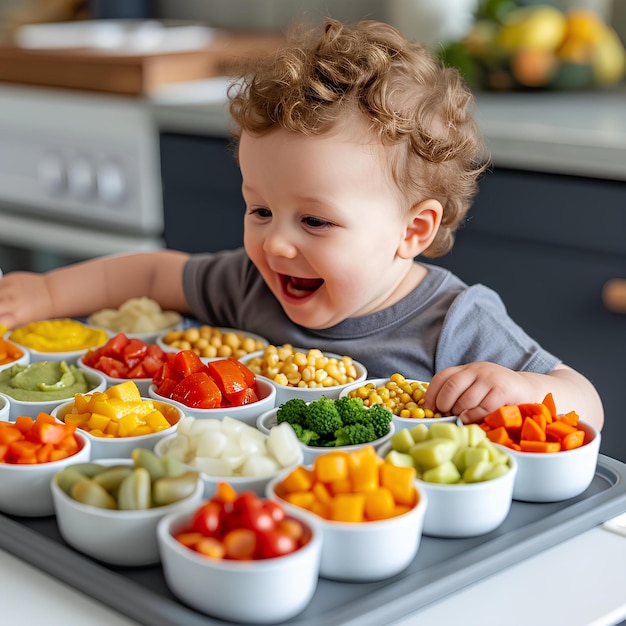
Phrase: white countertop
x=579 y=582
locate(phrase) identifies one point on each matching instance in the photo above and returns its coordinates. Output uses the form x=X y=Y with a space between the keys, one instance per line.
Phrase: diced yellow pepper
x=80 y=419
x=98 y=422
x=156 y=421
x=126 y=391
x=128 y=424
x=81 y=403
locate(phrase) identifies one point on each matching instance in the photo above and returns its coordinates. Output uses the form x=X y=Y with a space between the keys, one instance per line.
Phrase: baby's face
x=323 y=223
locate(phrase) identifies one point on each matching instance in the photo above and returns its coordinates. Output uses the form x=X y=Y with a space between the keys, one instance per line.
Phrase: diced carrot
x=539 y=446
x=508 y=416
x=499 y=435
x=541 y=420
x=24 y=423
x=559 y=429
x=531 y=430
x=532 y=409
x=573 y=440
x=569 y=418
x=548 y=402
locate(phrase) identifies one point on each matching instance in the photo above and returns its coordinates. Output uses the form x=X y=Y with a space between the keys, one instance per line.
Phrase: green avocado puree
x=43 y=381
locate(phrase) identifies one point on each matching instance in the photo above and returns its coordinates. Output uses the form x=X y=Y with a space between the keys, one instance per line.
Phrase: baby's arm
x=83 y=288
x=474 y=390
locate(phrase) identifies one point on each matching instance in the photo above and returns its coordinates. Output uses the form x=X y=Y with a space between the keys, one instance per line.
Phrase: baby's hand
x=475 y=390
x=24 y=298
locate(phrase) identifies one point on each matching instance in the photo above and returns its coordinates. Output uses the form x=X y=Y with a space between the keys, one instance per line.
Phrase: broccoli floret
x=354 y=434
x=380 y=418
x=307 y=437
x=293 y=412
x=323 y=418
x=351 y=410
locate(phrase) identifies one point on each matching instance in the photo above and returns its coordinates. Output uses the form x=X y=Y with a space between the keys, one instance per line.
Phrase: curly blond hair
x=415 y=106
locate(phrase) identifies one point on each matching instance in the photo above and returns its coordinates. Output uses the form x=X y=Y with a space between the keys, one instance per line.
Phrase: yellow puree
x=62 y=335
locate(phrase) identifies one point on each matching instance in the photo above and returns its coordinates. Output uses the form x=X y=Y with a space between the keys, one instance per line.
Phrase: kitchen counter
x=578 y=133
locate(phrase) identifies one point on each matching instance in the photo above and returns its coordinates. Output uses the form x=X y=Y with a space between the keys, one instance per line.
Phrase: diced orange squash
x=559 y=429
x=508 y=416
x=573 y=440
x=300 y=479
x=379 y=504
x=499 y=435
x=569 y=418
x=347 y=507
x=363 y=469
x=399 y=480
x=331 y=466
x=342 y=485
x=322 y=493
x=303 y=499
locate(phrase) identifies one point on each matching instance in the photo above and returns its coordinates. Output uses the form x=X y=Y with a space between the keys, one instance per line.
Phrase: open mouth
x=300 y=287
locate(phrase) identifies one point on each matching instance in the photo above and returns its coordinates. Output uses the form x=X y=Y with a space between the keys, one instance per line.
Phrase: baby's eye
x=316 y=222
x=261 y=212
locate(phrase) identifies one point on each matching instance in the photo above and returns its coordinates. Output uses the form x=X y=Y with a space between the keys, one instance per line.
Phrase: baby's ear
x=422 y=224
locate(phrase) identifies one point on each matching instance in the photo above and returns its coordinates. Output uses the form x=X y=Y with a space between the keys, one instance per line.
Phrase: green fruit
x=446 y=473
x=150 y=461
x=445 y=430
x=419 y=432
x=401 y=459
x=475 y=434
x=112 y=477
x=433 y=452
x=476 y=455
x=135 y=492
x=496 y=471
x=174 y=488
x=402 y=440
x=475 y=473
x=87 y=491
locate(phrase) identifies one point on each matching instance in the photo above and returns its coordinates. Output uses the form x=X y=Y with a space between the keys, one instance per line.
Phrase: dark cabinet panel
x=202 y=202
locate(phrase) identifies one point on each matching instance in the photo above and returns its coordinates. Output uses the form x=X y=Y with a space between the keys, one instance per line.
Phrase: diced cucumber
x=433 y=452
x=446 y=473
x=402 y=440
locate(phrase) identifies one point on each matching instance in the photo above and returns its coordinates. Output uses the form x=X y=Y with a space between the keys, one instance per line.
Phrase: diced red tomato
x=198 y=390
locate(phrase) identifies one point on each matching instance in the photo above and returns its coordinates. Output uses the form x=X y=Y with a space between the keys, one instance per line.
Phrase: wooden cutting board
x=132 y=74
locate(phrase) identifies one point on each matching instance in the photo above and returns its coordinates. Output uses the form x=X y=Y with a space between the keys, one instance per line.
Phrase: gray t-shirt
x=442 y=322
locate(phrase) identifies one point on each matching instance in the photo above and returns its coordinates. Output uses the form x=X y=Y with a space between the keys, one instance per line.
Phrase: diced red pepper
x=228 y=377
x=187 y=362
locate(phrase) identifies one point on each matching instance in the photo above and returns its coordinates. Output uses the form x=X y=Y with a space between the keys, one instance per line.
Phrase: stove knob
x=111 y=183
x=51 y=172
x=81 y=177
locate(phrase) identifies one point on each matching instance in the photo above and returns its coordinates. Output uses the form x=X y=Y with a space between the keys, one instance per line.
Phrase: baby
x=359 y=157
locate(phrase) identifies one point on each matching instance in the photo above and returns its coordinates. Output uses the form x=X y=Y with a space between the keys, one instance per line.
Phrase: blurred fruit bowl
x=523 y=46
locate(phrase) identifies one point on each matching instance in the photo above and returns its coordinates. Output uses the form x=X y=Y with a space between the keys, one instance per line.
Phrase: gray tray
x=441 y=566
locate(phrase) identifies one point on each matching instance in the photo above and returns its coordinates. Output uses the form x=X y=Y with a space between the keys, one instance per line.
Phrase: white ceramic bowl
x=286 y=392
x=266 y=421
x=123 y=538
x=400 y=422
x=552 y=477
x=25 y=489
x=166 y=347
x=466 y=509
x=256 y=484
x=143 y=384
x=32 y=409
x=5 y=408
x=120 y=447
x=71 y=356
x=247 y=413
x=365 y=551
x=265 y=591
x=23 y=360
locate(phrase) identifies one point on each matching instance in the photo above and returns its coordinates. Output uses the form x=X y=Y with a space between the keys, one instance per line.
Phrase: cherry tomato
x=208 y=519
x=240 y=543
x=274 y=509
x=274 y=543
